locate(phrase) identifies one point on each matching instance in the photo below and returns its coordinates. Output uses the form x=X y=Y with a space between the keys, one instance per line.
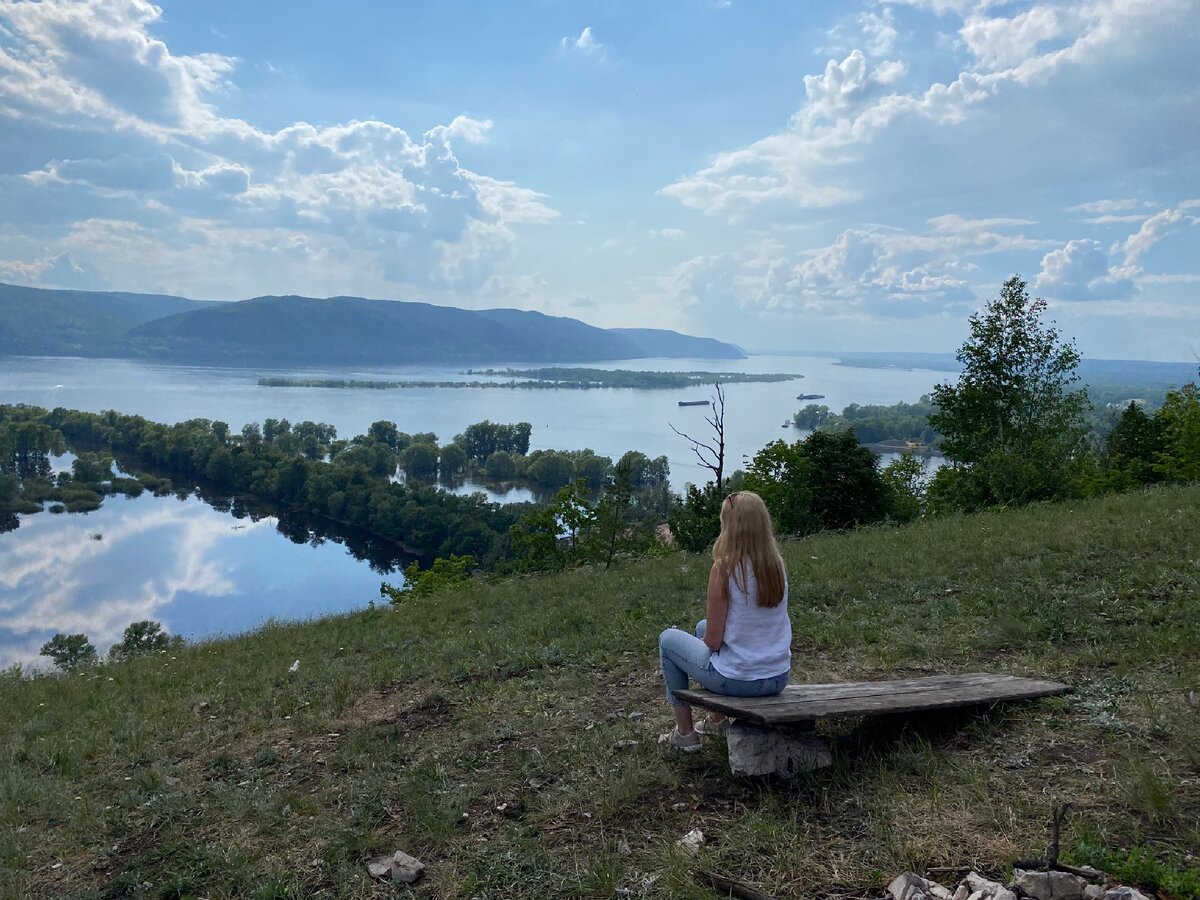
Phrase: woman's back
x=758 y=639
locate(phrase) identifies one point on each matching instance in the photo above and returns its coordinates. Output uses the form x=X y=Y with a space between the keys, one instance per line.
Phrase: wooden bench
x=767 y=734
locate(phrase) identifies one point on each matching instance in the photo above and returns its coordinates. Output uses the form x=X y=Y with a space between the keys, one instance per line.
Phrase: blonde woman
x=743 y=647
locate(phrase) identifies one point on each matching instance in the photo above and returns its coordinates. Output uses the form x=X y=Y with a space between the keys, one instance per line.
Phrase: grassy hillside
x=506 y=735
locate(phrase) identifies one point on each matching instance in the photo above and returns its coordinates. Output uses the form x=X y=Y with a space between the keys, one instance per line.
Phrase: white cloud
x=1113 y=206
x=1152 y=231
x=59 y=271
x=667 y=232
x=584 y=45
x=1055 y=94
x=999 y=42
x=1080 y=271
x=879 y=31
x=366 y=187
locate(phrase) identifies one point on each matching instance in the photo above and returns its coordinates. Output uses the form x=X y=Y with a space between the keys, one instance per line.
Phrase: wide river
x=203 y=569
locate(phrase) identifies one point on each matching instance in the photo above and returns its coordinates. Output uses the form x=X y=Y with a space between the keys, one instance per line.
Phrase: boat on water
x=810 y=396
x=694 y=402
x=786 y=425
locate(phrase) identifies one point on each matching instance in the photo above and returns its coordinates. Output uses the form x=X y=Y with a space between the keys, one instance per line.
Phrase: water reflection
x=202 y=565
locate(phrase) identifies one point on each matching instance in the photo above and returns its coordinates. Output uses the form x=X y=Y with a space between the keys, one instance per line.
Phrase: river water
x=203 y=566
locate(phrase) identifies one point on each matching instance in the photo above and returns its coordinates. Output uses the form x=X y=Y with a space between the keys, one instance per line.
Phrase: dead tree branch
x=711 y=455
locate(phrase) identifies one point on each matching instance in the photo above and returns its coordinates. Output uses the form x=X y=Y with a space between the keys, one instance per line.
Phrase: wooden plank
x=803 y=692
x=807 y=703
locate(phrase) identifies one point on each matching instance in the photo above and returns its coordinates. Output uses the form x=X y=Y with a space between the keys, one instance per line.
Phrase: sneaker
x=688 y=743
x=709 y=728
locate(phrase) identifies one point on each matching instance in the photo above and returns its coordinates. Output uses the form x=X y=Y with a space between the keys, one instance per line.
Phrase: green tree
x=1012 y=426
x=781 y=474
x=141 y=638
x=695 y=518
x=92 y=468
x=419 y=462
x=452 y=461
x=1179 y=422
x=552 y=469
x=500 y=466
x=907 y=483
x=69 y=651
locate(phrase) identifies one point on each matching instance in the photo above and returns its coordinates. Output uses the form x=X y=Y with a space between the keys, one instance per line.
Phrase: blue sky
x=786 y=175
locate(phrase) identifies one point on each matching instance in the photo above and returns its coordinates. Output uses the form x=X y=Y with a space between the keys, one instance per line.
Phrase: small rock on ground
x=1049 y=885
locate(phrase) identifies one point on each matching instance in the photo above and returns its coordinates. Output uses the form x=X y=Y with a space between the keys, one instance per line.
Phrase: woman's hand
x=718 y=608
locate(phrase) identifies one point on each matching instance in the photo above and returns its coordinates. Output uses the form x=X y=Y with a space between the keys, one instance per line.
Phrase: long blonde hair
x=747 y=539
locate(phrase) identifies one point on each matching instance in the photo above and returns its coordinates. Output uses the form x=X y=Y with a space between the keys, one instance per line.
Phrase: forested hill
x=37 y=322
x=303 y=330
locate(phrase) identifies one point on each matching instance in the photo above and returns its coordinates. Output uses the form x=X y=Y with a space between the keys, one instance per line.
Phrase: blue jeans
x=685 y=656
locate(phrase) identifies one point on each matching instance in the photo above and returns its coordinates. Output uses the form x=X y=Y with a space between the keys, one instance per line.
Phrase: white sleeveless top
x=758 y=639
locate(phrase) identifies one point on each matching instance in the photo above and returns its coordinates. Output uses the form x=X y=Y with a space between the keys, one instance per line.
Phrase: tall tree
x=1012 y=424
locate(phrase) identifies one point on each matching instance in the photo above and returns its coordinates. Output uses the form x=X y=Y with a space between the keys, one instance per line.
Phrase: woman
x=743 y=647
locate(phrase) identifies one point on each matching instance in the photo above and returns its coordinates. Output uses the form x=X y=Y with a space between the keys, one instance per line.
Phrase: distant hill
x=38 y=322
x=672 y=344
x=297 y=331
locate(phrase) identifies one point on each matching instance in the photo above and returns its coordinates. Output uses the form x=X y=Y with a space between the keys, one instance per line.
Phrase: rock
x=1121 y=892
x=692 y=841
x=910 y=886
x=754 y=750
x=982 y=888
x=962 y=893
x=1093 y=892
x=1049 y=885
x=402 y=868
x=294 y=667
x=380 y=867
x=406 y=869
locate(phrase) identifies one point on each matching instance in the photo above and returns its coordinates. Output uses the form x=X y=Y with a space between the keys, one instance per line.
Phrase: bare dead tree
x=711 y=455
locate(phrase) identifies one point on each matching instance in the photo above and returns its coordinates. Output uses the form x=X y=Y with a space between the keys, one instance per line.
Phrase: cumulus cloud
x=864 y=272
x=364 y=188
x=1080 y=271
x=1027 y=111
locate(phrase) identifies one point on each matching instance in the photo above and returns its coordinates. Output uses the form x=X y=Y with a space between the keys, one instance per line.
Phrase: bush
x=442 y=576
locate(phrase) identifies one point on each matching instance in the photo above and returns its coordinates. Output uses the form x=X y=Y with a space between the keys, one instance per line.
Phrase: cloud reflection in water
x=197 y=570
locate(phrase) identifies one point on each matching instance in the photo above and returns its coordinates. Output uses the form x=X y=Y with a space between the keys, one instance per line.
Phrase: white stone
x=1051 y=885
x=911 y=886
x=1093 y=892
x=962 y=893
x=692 y=841
x=983 y=888
x=1121 y=892
x=406 y=869
x=754 y=750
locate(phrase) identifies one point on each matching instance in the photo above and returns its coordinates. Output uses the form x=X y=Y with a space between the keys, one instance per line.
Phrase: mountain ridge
x=297 y=330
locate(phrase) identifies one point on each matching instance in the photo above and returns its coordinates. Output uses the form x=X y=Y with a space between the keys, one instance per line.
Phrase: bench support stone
x=755 y=750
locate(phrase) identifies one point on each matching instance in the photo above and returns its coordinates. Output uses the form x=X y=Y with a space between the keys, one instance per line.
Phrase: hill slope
x=38 y=322
x=296 y=330
x=491 y=732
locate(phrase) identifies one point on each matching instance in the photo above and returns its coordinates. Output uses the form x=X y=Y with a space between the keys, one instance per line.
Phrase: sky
x=786 y=175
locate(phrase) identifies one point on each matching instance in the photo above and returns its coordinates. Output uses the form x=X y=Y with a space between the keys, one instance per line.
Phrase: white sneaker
x=688 y=743
x=709 y=728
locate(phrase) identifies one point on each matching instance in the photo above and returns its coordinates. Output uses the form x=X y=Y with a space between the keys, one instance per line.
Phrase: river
x=203 y=566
